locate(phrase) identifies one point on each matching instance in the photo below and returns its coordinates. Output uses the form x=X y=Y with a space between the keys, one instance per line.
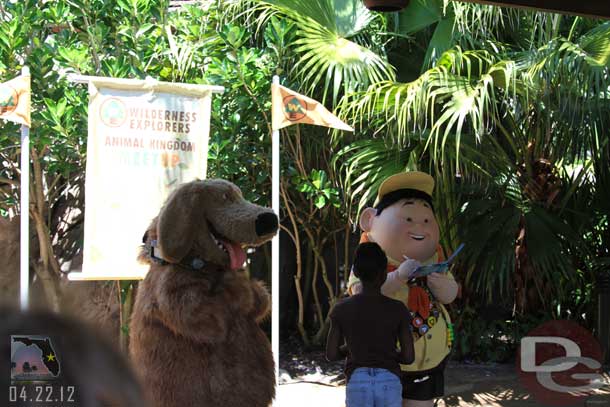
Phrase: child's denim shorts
x=373 y=387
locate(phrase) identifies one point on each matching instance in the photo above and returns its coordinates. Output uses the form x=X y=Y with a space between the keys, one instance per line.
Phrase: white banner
x=145 y=138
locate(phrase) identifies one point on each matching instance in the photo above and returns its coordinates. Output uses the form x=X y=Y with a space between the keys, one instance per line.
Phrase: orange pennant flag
x=15 y=100
x=289 y=107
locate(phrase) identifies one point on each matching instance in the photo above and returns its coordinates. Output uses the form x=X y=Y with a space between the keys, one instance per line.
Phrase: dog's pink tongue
x=236 y=254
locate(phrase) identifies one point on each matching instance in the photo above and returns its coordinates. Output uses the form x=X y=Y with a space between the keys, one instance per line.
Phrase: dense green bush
x=507 y=109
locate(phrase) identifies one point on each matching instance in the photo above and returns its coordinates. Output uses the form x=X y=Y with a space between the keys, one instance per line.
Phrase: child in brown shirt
x=371 y=324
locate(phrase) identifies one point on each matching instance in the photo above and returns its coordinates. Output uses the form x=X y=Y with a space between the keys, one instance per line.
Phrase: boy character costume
x=403 y=224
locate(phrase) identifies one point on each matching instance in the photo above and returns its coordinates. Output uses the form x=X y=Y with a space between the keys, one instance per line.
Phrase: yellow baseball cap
x=417 y=180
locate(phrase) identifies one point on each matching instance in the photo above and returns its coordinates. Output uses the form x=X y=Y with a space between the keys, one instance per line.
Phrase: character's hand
x=436 y=279
x=443 y=287
x=407 y=268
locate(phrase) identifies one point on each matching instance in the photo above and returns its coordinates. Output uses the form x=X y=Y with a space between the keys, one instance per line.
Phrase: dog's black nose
x=266 y=223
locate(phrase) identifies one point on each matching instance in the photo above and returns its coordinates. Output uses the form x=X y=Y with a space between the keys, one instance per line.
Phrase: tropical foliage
x=121 y=39
x=508 y=109
x=521 y=125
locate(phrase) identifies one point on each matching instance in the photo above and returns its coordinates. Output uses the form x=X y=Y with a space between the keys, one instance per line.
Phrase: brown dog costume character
x=195 y=338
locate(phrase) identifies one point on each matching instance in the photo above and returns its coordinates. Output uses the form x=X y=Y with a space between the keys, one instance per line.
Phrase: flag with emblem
x=15 y=100
x=290 y=107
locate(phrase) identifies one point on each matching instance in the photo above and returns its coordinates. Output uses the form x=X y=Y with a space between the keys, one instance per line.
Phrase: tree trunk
x=125 y=308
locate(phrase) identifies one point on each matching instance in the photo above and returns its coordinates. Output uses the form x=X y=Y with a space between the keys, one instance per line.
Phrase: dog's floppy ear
x=178 y=222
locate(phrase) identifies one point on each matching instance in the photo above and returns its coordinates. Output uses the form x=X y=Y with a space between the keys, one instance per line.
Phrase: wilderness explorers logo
x=9 y=99
x=295 y=108
x=113 y=112
x=559 y=363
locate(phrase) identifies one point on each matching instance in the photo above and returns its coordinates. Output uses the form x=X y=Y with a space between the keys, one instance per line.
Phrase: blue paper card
x=441 y=267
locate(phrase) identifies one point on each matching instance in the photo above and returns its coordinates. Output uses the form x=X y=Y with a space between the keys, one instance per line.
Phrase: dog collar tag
x=197 y=263
x=155 y=253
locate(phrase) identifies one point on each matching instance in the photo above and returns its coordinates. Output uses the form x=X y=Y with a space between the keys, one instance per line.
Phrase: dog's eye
x=226 y=197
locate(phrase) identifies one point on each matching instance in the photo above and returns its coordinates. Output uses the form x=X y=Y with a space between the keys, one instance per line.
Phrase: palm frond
x=460 y=89
x=181 y=56
x=330 y=55
x=488 y=228
x=334 y=62
x=363 y=165
x=420 y=14
x=574 y=76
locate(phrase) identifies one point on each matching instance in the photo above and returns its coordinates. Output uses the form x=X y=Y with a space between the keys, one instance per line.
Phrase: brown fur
x=195 y=339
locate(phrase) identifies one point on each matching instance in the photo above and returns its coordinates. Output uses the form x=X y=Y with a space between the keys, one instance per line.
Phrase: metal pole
x=603 y=312
x=275 y=247
x=25 y=213
x=86 y=79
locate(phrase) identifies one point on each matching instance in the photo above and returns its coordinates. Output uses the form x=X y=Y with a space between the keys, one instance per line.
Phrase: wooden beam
x=585 y=8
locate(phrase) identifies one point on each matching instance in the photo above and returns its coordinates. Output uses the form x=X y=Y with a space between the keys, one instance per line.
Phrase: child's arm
x=407 y=353
x=333 y=342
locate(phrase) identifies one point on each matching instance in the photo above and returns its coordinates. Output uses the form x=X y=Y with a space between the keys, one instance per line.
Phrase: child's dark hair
x=369 y=261
x=392 y=197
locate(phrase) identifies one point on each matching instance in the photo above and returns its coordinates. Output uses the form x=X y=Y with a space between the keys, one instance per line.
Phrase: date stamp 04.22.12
x=36 y=374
